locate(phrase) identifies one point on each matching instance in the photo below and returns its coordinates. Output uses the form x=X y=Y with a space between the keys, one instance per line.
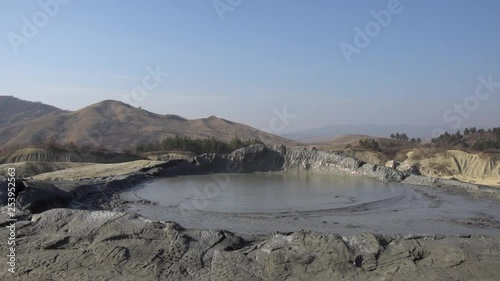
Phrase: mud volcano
x=170 y=222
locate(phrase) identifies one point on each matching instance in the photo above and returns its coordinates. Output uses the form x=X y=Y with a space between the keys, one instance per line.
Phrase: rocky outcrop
x=63 y=244
x=255 y=158
x=405 y=168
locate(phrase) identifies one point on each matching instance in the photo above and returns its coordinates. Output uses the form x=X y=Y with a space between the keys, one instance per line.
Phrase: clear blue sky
x=262 y=55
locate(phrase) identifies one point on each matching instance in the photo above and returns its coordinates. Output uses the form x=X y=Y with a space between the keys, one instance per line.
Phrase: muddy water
x=265 y=192
x=266 y=202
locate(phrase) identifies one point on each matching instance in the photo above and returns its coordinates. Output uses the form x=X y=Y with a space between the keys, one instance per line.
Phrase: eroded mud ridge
x=259 y=158
x=63 y=244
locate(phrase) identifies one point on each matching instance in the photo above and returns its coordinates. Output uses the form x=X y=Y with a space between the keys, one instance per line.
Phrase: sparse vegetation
x=369 y=144
x=472 y=138
x=404 y=137
x=175 y=116
x=53 y=145
x=484 y=144
x=399 y=136
x=448 y=138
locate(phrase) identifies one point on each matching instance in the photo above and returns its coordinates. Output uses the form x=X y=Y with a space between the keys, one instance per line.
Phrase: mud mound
x=478 y=168
x=29 y=169
x=475 y=165
x=98 y=170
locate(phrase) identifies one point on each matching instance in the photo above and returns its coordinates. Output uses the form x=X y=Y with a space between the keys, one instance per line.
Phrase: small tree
x=235 y=143
x=52 y=142
x=369 y=144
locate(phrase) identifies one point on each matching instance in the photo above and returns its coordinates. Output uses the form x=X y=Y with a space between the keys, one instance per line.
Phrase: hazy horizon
x=253 y=59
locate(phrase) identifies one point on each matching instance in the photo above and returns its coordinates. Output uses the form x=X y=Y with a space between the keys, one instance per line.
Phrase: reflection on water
x=265 y=192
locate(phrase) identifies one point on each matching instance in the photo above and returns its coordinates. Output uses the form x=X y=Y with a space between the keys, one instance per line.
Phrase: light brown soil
x=97 y=171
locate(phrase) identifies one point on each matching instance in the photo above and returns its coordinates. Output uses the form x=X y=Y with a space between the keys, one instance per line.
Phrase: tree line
x=196 y=145
x=486 y=139
x=404 y=137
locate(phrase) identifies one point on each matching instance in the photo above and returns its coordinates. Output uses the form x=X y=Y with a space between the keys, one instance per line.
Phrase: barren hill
x=342 y=141
x=15 y=111
x=116 y=126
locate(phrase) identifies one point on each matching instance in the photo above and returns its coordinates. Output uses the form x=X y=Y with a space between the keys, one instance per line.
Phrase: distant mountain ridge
x=331 y=131
x=115 y=125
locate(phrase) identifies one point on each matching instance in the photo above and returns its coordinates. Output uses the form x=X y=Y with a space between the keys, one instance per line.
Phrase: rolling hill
x=15 y=111
x=116 y=125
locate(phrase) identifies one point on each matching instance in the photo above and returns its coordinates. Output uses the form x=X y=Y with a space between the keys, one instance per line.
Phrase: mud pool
x=261 y=203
